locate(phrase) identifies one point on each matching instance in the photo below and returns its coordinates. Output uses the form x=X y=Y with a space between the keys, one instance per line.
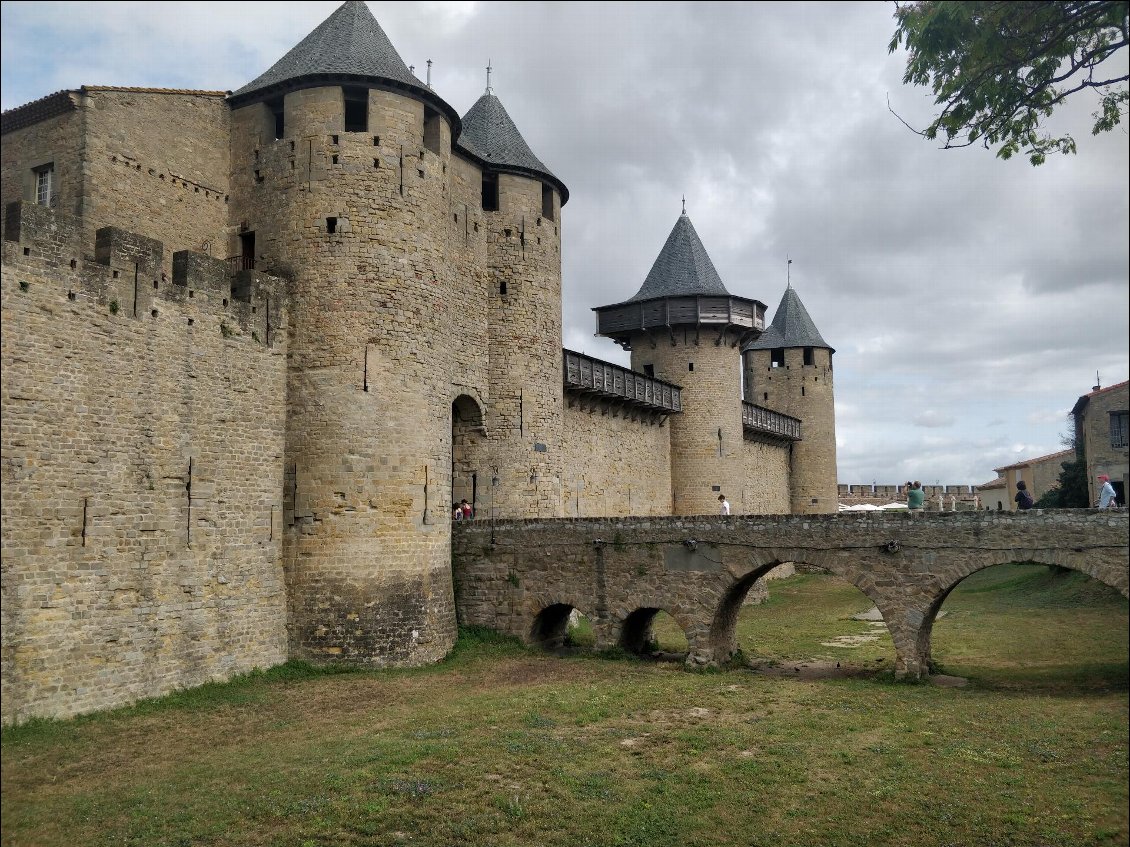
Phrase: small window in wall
x=431 y=129
x=490 y=192
x=777 y=357
x=1118 y=427
x=809 y=356
x=649 y=370
x=331 y=225
x=547 y=202
x=356 y=109
x=276 y=107
x=690 y=366
x=44 y=183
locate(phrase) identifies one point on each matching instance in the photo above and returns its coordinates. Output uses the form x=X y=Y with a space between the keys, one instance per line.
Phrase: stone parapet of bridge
x=523 y=577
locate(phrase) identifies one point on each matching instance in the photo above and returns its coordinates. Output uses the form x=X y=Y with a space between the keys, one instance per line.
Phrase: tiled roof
x=996 y=483
x=489 y=134
x=193 y=91
x=1062 y=454
x=791 y=327
x=58 y=103
x=682 y=267
x=349 y=43
x=1086 y=398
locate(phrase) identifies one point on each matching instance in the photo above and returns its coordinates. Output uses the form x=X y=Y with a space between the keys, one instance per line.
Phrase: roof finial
x=789 y=272
x=684 y=204
x=429 y=73
x=489 y=89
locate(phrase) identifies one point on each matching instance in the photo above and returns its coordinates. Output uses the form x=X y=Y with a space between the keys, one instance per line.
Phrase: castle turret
x=684 y=327
x=343 y=181
x=521 y=203
x=789 y=370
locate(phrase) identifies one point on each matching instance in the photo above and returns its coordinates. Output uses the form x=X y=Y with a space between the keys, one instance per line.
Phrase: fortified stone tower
x=342 y=181
x=684 y=327
x=521 y=202
x=789 y=370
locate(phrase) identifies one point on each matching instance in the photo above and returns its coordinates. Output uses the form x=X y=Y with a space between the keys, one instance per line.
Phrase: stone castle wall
x=615 y=463
x=148 y=161
x=142 y=441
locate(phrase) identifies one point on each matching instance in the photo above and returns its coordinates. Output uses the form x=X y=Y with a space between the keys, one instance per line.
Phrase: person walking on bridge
x=723 y=505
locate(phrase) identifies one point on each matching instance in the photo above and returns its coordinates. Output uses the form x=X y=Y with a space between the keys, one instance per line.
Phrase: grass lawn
x=502 y=746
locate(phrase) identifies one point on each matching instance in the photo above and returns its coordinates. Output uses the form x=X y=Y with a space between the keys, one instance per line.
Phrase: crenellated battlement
x=125 y=275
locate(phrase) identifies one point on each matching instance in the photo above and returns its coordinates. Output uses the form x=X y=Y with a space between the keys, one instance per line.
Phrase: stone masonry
x=525 y=577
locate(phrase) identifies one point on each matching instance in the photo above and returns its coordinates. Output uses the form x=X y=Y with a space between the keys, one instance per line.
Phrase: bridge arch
x=636 y=628
x=1096 y=570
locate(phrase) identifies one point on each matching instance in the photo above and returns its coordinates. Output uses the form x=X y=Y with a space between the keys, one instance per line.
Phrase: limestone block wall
x=804 y=391
x=525 y=411
x=157 y=163
x=142 y=440
x=56 y=140
x=615 y=463
x=707 y=443
x=1102 y=455
x=764 y=486
x=388 y=330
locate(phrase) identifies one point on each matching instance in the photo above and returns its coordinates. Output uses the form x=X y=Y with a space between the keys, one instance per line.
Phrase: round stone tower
x=343 y=181
x=684 y=327
x=789 y=370
x=521 y=203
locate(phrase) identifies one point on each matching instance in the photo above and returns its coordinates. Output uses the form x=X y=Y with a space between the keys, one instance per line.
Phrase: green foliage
x=226 y=331
x=1071 y=491
x=114 y=307
x=999 y=69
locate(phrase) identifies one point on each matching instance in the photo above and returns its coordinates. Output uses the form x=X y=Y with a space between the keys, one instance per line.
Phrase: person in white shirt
x=1106 y=496
x=723 y=504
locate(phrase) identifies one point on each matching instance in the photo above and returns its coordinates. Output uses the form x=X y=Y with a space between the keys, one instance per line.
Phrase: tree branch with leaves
x=998 y=69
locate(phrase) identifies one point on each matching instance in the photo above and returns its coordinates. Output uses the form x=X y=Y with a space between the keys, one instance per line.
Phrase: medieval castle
x=255 y=345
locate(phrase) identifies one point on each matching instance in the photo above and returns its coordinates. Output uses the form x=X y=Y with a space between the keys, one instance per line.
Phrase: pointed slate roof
x=682 y=267
x=791 y=327
x=490 y=135
x=348 y=45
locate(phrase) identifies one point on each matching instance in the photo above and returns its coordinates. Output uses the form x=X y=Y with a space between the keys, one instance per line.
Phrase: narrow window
x=276 y=107
x=1119 y=421
x=44 y=183
x=502 y=287
x=331 y=225
x=431 y=129
x=649 y=370
x=247 y=251
x=547 y=202
x=490 y=192
x=690 y=366
x=777 y=357
x=809 y=356
x=356 y=109
x=765 y=397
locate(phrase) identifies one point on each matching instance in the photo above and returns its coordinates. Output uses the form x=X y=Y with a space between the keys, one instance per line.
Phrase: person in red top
x=468 y=512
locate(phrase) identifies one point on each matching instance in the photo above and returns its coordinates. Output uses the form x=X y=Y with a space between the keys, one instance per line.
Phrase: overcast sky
x=970 y=300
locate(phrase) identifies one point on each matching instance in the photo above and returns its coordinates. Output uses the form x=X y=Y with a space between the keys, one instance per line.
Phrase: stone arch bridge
x=523 y=577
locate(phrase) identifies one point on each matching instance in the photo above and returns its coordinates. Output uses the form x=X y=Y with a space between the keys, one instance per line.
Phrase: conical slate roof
x=349 y=43
x=791 y=327
x=489 y=134
x=682 y=267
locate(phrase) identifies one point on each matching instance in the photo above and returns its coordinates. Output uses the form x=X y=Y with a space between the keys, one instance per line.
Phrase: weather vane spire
x=788 y=272
x=489 y=89
x=684 y=204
